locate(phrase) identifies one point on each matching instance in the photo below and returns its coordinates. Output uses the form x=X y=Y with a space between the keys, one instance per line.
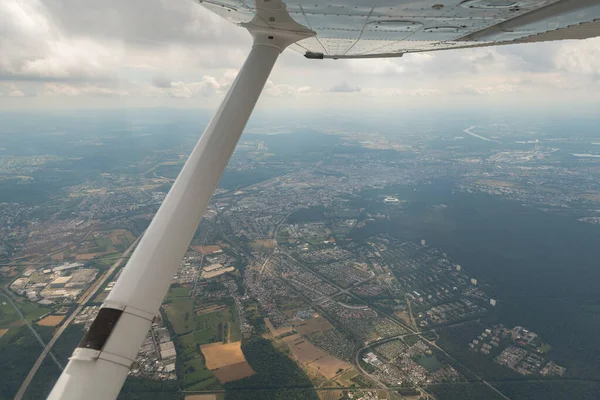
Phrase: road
x=33 y=331
x=275 y=233
x=365 y=373
x=432 y=344
x=383 y=385
x=412 y=330
x=455 y=361
x=87 y=296
x=194 y=292
x=468 y=131
x=410 y=313
x=347 y=291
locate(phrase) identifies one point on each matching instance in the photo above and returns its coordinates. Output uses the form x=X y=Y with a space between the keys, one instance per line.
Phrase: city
x=351 y=272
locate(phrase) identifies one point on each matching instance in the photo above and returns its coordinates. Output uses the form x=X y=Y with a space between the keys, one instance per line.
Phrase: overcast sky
x=174 y=53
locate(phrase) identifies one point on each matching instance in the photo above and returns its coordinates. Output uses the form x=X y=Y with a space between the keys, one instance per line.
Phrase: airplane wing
x=391 y=28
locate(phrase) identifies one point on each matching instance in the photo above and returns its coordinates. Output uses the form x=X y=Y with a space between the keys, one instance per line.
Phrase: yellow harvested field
x=210 y=309
x=87 y=256
x=51 y=320
x=316 y=359
x=234 y=372
x=207 y=249
x=291 y=338
x=219 y=355
x=403 y=315
x=117 y=236
x=265 y=244
x=306 y=352
x=312 y=325
x=491 y=182
x=330 y=394
x=201 y=397
x=329 y=366
x=3 y=331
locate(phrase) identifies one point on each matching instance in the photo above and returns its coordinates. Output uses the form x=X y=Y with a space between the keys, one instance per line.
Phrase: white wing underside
x=390 y=28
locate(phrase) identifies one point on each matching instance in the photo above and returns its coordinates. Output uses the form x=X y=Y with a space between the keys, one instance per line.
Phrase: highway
x=432 y=344
x=409 y=328
x=84 y=299
x=468 y=131
x=412 y=330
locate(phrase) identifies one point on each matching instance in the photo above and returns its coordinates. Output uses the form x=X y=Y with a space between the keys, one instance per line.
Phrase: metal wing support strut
x=100 y=364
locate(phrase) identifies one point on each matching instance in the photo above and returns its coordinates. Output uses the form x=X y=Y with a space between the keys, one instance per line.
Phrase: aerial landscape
x=416 y=257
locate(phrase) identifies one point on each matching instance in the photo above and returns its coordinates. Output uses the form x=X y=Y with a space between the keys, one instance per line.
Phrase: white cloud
x=579 y=57
x=344 y=87
x=382 y=67
x=206 y=87
x=171 y=51
x=486 y=90
x=273 y=90
x=425 y=92
x=51 y=89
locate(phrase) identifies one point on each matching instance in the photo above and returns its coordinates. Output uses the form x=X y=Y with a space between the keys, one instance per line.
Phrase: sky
x=173 y=53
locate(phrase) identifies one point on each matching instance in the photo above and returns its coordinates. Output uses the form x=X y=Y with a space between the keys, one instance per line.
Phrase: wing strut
x=99 y=365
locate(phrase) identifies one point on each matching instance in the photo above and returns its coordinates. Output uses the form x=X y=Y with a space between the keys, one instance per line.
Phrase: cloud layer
x=166 y=52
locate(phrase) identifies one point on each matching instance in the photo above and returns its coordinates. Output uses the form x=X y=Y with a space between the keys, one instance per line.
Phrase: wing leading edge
x=390 y=28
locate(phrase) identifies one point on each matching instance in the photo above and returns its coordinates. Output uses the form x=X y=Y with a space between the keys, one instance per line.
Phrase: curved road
x=432 y=344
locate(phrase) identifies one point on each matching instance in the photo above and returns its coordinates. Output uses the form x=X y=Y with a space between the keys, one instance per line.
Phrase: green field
x=8 y=314
x=285 y=304
x=430 y=363
x=180 y=315
x=188 y=343
x=32 y=311
x=212 y=327
x=211 y=383
x=105 y=243
x=8 y=336
x=195 y=330
x=107 y=260
x=204 y=336
x=544 y=348
x=178 y=291
x=195 y=371
x=10 y=317
x=411 y=339
x=235 y=333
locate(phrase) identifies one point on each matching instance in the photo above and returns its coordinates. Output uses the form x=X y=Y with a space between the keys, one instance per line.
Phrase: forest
x=277 y=376
x=540 y=266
